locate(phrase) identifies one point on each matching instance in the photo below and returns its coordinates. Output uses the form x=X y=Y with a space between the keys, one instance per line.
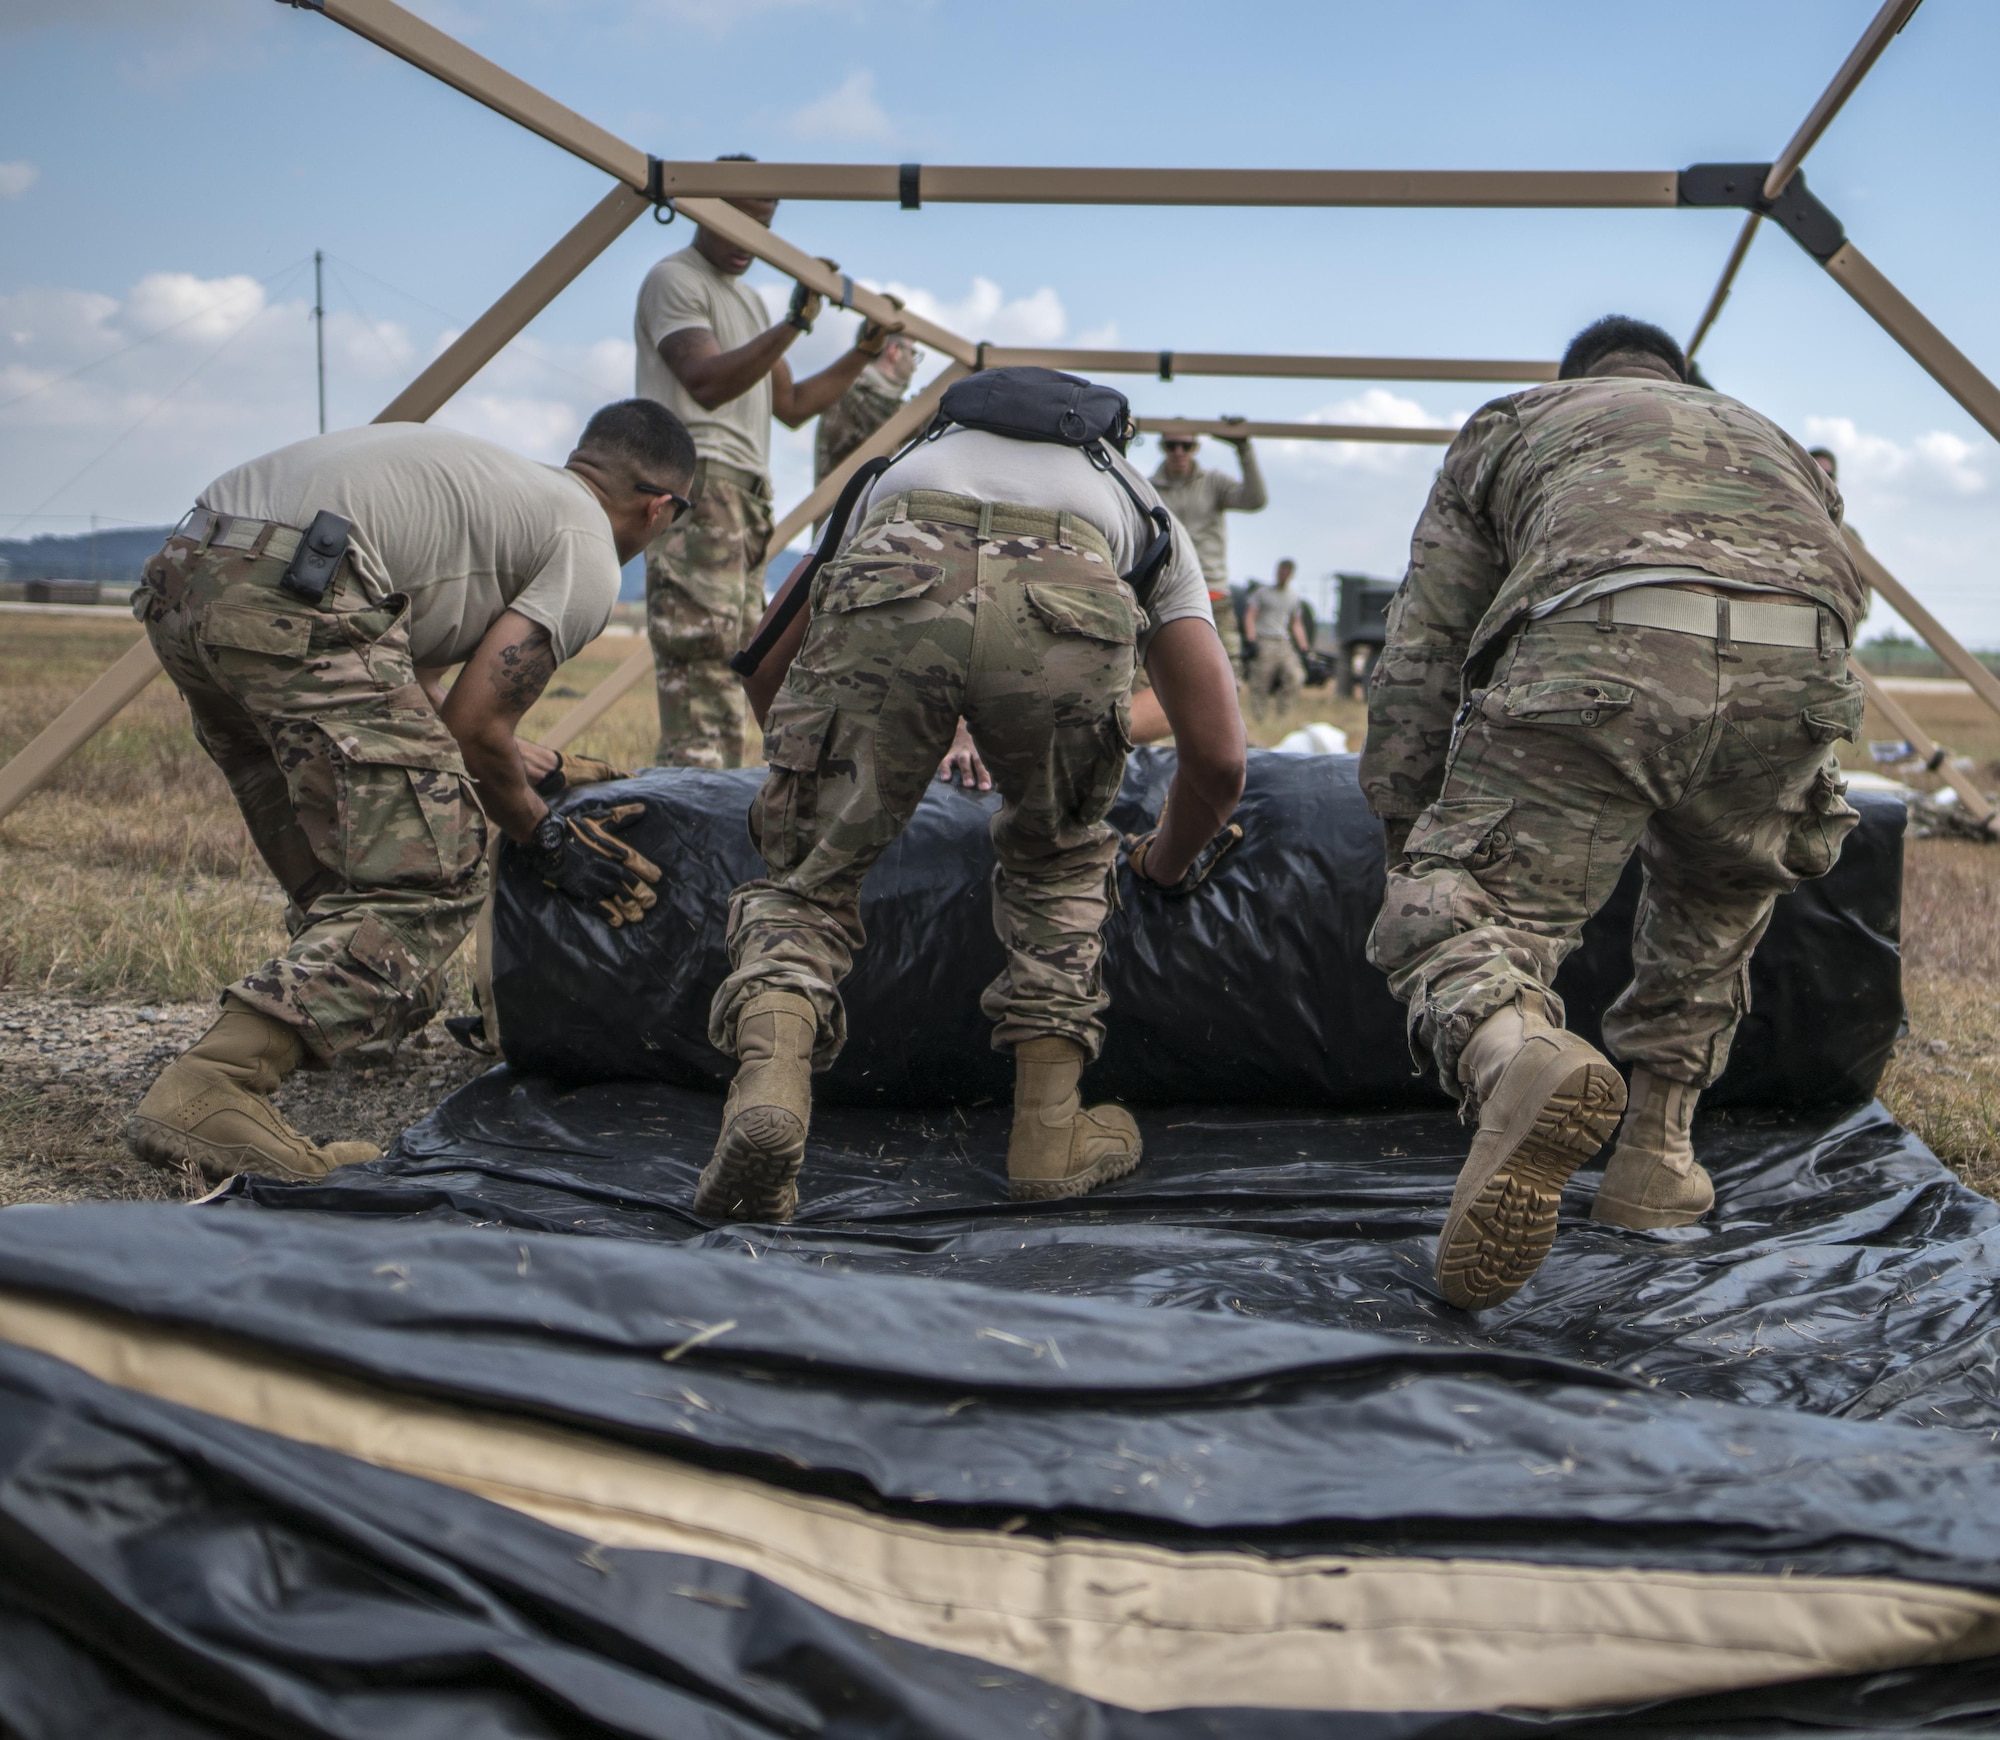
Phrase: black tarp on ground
x=1280 y=929
x=1808 y=1383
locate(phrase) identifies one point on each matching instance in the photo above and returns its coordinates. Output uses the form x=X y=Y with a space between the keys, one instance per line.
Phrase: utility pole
x=319 y=329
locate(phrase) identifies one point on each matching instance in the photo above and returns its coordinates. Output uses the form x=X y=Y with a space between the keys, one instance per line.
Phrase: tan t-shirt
x=684 y=290
x=465 y=528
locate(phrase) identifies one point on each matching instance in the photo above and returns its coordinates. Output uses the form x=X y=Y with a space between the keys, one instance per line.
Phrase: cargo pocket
x=1835 y=721
x=405 y=816
x=1100 y=612
x=1581 y=701
x=861 y=583
x=788 y=801
x=1468 y=831
x=1099 y=784
x=1812 y=843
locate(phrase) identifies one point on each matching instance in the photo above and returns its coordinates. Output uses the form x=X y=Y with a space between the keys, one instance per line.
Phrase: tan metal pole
x=1942 y=360
x=1932 y=753
x=953 y=184
x=1170 y=363
x=902 y=424
x=543 y=282
x=77 y=723
x=1880 y=32
x=1901 y=600
x=1228 y=427
x=1726 y=282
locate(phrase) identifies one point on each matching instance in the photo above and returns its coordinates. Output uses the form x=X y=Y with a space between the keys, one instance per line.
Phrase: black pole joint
x=1166 y=365
x=1795 y=210
x=909 y=188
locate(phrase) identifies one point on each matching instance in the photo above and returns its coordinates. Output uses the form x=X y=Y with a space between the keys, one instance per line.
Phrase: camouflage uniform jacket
x=1548 y=489
x=849 y=421
x=1200 y=500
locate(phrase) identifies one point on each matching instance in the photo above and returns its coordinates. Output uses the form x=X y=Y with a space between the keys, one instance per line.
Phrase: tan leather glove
x=580 y=855
x=875 y=334
x=1139 y=846
x=571 y=771
x=806 y=303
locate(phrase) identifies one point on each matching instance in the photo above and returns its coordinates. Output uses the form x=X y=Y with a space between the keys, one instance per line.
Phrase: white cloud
x=1938 y=463
x=195 y=310
x=16 y=178
x=984 y=312
x=848 y=111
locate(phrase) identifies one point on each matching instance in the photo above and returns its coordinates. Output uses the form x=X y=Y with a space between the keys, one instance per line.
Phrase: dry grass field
x=133 y=893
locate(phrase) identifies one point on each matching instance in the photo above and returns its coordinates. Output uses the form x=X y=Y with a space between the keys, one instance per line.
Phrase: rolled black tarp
x=1256 y=991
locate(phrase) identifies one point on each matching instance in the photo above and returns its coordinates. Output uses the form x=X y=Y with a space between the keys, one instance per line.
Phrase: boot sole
x=1106 y=1171
x=1492 y=1249
x=754 y=1175
x=168 y=1148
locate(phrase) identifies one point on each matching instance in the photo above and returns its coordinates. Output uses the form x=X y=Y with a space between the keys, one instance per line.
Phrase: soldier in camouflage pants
x=354 y=792
x=704 y=597
x=1624 y=629
x=1021 y=626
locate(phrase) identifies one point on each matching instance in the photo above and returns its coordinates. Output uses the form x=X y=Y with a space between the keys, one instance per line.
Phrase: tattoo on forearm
x=525 y=669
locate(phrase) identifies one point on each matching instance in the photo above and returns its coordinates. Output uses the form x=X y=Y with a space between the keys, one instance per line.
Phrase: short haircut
x=643 y=437
x=1617 y=332
x=736 y=157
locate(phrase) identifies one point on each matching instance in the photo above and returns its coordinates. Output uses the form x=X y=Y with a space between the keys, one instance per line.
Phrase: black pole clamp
x=909 y=190
x=656 y=190
x=1166 y=365
x=1795 y=210
x=979 y=358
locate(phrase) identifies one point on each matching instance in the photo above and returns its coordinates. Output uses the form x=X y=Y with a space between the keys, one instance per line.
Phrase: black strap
x=799 y=587
x=1145 y=573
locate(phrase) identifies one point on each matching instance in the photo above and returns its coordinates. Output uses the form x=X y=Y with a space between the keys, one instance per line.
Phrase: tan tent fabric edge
x=1138 y=1626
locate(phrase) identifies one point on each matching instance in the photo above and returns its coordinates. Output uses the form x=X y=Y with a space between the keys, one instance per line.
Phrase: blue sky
x=168 y=166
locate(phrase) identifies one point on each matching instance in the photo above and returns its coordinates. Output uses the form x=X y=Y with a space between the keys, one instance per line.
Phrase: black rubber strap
x=909 y=186
x=799 y=587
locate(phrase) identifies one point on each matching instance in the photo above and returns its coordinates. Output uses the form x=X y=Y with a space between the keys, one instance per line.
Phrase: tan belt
x=231 y=532
x=1713 y=616
x=750 y=482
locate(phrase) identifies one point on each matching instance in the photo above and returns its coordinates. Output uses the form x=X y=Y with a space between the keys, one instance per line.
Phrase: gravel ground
x=71 y=1070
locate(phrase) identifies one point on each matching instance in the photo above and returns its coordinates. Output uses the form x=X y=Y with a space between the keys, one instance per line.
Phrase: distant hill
x=114 y=557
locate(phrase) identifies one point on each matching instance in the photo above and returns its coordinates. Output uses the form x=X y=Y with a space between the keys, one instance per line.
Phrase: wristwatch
x=547 y=842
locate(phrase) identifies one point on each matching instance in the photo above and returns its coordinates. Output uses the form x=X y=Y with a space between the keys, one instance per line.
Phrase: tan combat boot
x=1652 y=1178
x=755 y=1172
x=1058 y=1147
x=211 y=1106
x=1547 y=1102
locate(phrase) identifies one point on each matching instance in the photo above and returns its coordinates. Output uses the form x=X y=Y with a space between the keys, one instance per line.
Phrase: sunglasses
x=1178 y=446
x=681 y=502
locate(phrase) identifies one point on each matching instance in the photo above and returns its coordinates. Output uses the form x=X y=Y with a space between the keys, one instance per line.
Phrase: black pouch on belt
x=318 y=556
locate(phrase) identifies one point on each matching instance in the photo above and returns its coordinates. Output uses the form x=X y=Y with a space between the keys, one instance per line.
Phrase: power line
x=158 y=404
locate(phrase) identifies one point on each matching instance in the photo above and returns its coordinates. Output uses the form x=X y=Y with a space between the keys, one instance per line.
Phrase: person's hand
x=566 y=772
x=1139 y=848
x=961 y=762
x=806 y=303
x=581 y=856
x=1239 y=442
x=874 y=336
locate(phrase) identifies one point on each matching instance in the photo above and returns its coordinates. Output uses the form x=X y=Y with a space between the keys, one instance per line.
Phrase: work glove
x=875 y=334
x=581 y=856
x=806 y=303
x=1139 y=846
x=571 y=771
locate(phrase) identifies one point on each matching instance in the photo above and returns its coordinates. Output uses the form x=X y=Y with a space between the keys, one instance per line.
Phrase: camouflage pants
x=352 y=788
x=1019 y=623
x=1276 y=674
x=704 y=596
x=1715 y=764
x=1226 y=625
